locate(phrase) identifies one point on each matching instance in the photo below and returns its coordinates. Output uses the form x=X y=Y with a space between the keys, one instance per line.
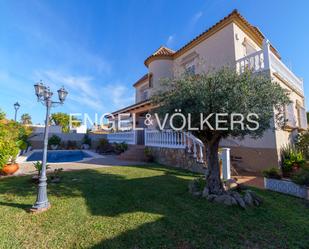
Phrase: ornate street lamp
x=44 y=95
x=16 y=107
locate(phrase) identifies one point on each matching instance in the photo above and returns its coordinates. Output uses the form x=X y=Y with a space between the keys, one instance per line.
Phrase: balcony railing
x=263 y=60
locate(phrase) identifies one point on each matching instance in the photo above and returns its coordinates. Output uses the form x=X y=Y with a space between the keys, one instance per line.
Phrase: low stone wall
x=177 y=158
x=37 y=140
x=286 y=187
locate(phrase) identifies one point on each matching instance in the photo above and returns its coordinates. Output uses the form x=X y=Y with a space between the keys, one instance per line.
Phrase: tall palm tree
x=26 y=119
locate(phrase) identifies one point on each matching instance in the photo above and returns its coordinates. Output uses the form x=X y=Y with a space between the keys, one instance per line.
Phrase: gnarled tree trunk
x=213 y=179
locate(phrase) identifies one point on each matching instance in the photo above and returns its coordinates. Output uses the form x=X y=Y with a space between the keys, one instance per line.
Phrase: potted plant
x=8 y=153
x=86 y=143
x=54 y=142
x=13 y=137
x=292 y=160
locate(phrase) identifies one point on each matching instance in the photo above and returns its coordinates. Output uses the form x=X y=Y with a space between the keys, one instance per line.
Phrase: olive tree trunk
x=213 y=179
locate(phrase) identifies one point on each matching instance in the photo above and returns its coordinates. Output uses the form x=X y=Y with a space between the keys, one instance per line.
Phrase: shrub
x=54 y=140
x=302 y=144
x=104 y=146
x=38 y=166
x=291 y=160
x=120 y=148
x=13 y=137
x=273 y=173
x=301 y=177
x=86 y=140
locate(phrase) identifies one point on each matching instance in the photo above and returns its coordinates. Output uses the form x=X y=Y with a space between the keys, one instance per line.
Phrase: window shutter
x=303 y=118
x=289 y=115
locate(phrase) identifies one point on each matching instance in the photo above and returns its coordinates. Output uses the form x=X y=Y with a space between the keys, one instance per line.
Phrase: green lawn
x=143 y=207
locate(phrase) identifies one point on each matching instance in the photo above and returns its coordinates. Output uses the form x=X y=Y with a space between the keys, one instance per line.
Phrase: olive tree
x=229 y=94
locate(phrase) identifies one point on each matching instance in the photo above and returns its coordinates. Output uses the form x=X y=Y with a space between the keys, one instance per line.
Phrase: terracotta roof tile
x=234 y=13
x=162 y=52
x=166 y=52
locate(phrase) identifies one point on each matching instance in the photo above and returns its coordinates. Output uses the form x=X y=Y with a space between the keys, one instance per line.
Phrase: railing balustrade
x=185 y=140
x=264 y=59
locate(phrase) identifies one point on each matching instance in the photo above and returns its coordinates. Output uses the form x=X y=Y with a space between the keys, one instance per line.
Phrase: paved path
x=27 y=168
x=250 y=179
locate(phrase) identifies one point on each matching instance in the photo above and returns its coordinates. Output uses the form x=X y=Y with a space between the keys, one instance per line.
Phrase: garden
x=293 y=176
x=143 y=207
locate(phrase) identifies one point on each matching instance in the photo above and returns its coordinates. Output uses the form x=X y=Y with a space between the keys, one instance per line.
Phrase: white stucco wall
x=160 y=69
x=138 y=90
x=214 y=52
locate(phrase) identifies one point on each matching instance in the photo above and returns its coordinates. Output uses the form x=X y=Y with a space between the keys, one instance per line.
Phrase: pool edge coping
x=94 y=155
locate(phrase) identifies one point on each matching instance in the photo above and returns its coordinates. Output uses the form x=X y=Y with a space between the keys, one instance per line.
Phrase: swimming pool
x=59 y=156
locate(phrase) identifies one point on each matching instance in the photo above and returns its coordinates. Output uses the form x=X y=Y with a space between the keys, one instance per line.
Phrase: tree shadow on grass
x=165 y=215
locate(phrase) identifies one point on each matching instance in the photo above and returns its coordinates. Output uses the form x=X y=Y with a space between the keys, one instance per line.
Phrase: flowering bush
x=13 y=137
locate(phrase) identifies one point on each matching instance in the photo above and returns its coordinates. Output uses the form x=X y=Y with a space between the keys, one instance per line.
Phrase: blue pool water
x=59 y=156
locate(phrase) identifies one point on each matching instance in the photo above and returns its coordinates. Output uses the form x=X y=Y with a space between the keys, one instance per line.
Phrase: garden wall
x=286 y=187
x=177 y=158
x=37 y=140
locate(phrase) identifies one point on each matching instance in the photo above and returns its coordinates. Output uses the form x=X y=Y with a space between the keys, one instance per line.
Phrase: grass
x=143 y=207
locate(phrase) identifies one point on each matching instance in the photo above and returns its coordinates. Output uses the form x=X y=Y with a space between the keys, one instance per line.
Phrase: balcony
x=265 y=60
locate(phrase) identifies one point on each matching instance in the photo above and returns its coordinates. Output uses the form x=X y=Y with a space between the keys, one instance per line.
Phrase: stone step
x=134 y=153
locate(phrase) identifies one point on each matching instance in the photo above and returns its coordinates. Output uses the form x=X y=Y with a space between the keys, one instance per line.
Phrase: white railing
x=254 y=62
x=265 y=59
x=281 y=69
x=166 y=139
x=185 y=140
x=128 y=137
x=195 y=146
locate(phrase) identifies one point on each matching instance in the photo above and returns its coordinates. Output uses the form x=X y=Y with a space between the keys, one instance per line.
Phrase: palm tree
x=26 y=119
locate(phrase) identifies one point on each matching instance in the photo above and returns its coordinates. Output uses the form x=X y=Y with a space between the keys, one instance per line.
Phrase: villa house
x=231 y=41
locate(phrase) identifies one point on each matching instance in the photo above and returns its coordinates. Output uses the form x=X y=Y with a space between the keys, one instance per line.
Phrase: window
x=302 y=118
x=290 y=116
x=150 y=79
x=190 y=68
x=144 y=95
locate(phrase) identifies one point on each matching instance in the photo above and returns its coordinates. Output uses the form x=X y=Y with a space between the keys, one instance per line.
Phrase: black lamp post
x=16 y=107
x=44 y=95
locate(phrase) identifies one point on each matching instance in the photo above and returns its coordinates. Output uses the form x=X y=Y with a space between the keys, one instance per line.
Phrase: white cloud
x=84 y=92
x=119 y=95
x=81 y=89
x=196 y=17
x=170 y=40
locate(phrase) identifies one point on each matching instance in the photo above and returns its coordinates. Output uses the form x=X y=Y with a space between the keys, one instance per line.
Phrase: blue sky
x=96 y=49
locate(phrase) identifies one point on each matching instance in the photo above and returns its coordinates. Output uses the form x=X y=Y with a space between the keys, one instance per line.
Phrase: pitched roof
x=142 y=79
x=234 y=16
x=161 y=52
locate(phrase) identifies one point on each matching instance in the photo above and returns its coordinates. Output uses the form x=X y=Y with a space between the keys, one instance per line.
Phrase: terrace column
x=266 y=53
